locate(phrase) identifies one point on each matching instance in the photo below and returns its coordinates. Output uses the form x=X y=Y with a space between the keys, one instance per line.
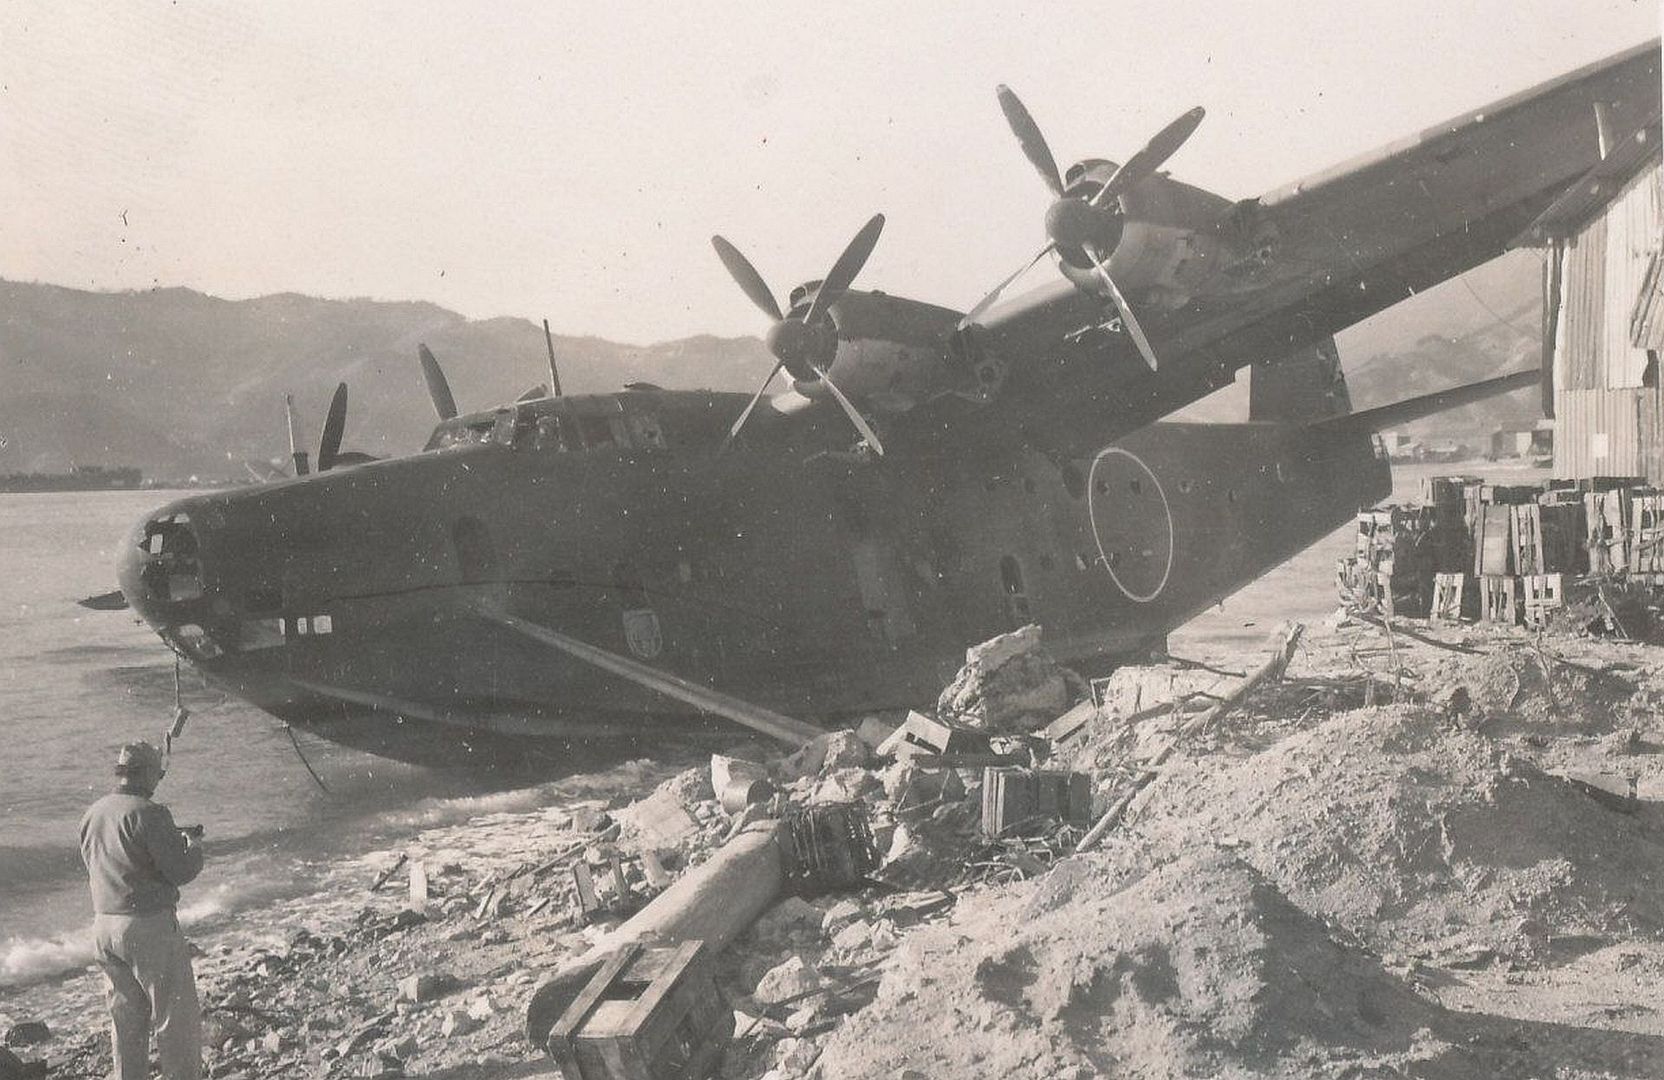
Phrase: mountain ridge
x=180 y=382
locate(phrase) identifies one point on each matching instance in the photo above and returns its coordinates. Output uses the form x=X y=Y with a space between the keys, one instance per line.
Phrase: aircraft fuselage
x=808 y=580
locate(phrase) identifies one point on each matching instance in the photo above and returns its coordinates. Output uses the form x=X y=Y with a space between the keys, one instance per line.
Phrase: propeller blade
x=1028 y=135
x=438 y=389
x=335 y=425
x=746 y=277
x=296 y=454
x=110 y=601
x=745 y=414
x=844 y=270
x=1154 y=155
x=1121 y=305
x=854 y=415
x=987 y=302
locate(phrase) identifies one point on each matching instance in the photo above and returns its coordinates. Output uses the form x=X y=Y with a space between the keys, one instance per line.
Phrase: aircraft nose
x=161 y=572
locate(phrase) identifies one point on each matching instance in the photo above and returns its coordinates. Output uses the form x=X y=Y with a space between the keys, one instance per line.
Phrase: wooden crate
x=1449 y=592
x=1509 y=494
x=1404 y=592
x=1493 y=541
x=1449 y=542
x=1017 y=800
x=648 y=1014
x=1606 y=519
x=1563 y=532
x=921 y=734
x=1440 y=490
x=1646 y=532
x=1499 y=599
x=1543 y=594
x=1525 y=533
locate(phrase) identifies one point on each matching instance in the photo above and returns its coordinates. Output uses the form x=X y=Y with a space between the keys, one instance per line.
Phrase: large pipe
x=714 y=902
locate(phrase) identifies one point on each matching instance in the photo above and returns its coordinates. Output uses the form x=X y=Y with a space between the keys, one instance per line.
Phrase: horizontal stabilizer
x=1403 y=412
x=110 y=601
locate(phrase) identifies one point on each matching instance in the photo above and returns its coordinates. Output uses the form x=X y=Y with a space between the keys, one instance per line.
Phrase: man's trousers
x=148 y=966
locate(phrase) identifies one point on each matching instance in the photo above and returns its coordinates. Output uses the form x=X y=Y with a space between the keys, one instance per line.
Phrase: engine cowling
x=1165 y=247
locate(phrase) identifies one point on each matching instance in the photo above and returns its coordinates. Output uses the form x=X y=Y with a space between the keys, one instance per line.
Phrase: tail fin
x=1402 y=412
x=1304 y=385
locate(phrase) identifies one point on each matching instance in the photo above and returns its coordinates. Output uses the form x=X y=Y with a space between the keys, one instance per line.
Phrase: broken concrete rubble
x=791 y=981
x=1010 y=684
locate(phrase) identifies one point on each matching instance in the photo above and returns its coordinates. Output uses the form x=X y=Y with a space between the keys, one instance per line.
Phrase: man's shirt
x=136 y=857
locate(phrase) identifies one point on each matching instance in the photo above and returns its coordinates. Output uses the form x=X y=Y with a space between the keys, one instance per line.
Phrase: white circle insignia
x=1097 y=487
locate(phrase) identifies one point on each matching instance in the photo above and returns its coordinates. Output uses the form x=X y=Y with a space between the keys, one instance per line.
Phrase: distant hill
x=1462 y=331
x=180 y=383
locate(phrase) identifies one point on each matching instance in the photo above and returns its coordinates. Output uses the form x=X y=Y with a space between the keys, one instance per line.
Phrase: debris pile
x=1239 y=869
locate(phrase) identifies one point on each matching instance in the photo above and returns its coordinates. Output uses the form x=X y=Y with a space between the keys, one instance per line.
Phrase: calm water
x=76 y=684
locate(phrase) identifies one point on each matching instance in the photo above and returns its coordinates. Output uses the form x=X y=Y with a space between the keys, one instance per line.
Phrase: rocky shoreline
x=1425 y=851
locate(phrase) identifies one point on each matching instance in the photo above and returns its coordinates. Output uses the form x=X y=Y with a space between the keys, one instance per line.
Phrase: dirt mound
x=1523 y=689
x=1197 y=967
x=1424 y=836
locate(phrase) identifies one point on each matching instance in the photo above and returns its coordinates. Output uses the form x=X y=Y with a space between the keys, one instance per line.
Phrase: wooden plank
x=588 y=901
x=560 y=1039
x=674 y=967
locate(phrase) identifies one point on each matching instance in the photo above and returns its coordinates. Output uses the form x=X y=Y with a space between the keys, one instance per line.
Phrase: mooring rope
x=316 y=779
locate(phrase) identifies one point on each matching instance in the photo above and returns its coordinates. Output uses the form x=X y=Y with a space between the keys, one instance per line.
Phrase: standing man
x=136 y=860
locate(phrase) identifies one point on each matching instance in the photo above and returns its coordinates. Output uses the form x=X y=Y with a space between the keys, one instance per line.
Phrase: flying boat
x=566 y=567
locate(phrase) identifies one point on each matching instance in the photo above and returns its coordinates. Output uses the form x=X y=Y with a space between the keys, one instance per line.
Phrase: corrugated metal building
x=1604 y=314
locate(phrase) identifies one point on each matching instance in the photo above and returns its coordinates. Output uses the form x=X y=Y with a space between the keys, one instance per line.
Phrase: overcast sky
x=572 y=160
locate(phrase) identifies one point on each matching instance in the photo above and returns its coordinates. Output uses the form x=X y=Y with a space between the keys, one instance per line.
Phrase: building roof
x=1584 y=200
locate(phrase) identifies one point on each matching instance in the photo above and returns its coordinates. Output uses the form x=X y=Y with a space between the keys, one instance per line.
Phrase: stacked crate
x=1392 y=565
x=1504 y=553
x=1606 y=515
x=1646 y=535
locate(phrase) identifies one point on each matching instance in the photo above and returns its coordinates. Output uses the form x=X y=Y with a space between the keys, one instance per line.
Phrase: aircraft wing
x=1299 y=263
x=1321 y=253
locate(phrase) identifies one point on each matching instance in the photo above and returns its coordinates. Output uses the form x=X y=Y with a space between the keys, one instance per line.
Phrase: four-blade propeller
x=1087 y=223
x=805 y=343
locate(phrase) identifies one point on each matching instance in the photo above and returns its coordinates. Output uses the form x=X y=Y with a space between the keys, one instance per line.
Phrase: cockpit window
x=549 y=433
x=598 y=431
x=645 y=431
x=558 y=427
x=464 y=434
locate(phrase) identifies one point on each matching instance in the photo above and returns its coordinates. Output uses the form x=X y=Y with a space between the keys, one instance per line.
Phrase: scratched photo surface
x=412 y=413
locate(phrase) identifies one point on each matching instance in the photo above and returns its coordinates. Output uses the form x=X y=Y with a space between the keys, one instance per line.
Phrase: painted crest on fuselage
x=643 y=633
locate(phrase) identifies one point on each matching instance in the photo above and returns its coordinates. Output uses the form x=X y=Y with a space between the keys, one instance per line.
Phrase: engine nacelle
x=893 y=354
x=1167 y=248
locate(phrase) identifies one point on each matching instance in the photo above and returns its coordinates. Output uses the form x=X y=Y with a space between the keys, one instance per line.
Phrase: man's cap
x=139 y=757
